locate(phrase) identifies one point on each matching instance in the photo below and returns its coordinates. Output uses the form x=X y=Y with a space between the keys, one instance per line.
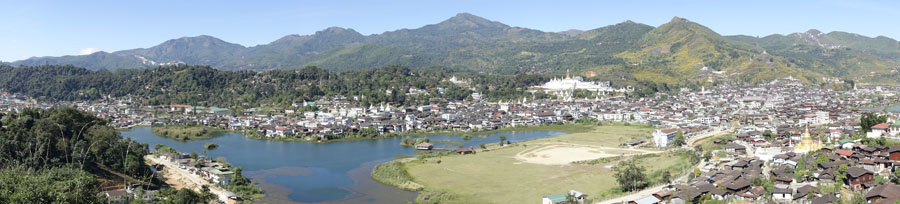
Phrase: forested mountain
x=678 y=52
x=203 y=85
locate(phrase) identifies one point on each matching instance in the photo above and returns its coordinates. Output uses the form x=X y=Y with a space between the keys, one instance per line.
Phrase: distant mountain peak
x=202 y=40
x=334 y=30
x=677 y=19
x=814 y=32
x=571 y=32
x=467 y=20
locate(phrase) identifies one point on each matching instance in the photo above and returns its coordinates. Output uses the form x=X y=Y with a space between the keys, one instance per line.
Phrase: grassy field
x=498 y=177
x=187 y=133
x=709 y=143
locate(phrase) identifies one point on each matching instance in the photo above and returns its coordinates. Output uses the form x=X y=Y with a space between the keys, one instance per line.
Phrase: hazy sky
x=55 y=28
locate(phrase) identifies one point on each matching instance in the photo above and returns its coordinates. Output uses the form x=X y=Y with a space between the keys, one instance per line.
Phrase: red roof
x=669 y=131
x=881 y=126
x=844 y=152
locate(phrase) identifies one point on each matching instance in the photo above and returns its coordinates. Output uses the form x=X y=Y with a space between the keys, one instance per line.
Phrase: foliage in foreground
x=54 y=185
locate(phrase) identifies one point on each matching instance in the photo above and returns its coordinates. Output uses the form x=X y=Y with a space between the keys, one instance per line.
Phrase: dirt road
x=189 y=180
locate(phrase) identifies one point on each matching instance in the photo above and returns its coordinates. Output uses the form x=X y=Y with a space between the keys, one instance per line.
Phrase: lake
x=892 y=108
x=305 y=172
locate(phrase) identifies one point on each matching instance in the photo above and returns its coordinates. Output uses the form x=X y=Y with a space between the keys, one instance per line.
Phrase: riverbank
x=525 y=171
x=185 y=133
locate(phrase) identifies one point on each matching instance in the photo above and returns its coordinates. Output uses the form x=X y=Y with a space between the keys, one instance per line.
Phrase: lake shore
x=329 y=174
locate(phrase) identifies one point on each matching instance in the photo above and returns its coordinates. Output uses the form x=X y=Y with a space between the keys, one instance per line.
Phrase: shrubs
x=186 y=133
x=413 y=142
x=433 y=197
x=393 y=173
x=211 y=146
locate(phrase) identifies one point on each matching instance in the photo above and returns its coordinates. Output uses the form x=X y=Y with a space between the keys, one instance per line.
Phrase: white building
x=662 y=137
x=571 y=83
x=878 y=130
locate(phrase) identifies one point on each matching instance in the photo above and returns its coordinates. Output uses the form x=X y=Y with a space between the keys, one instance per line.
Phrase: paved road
x=190 y=180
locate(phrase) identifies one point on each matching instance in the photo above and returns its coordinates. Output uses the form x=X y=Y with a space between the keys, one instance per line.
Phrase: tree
x=769 y=135
x=895 y=177
x=238 y=178
x=184 y=196
x=502 y=138
x=841 y=173
x=867 y=120
x=630 y=175
x=679 y=139
x=211 y=146
x=822 y=158
x=666 y=177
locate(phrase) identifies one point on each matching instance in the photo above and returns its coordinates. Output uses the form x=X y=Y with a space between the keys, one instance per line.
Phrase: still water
x=306 y=172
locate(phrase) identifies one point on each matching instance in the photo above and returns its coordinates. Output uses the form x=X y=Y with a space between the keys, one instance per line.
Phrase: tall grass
x=394 y=173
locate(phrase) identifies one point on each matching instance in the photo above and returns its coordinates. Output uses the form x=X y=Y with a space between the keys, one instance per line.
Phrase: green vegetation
x=184 y=196
x=869 y=119
x=652 y=59
x=54 y=185
x=210 y=146
x=205 y=86
x=241 y=186
x=630 y=175
x=393 y=173
x=187 y=133
x=452 y=178
x=679 y=139
x=709 y=144
x=413 y=141
x=57 y=155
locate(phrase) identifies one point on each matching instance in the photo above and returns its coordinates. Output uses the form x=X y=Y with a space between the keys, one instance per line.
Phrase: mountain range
x=677 y=52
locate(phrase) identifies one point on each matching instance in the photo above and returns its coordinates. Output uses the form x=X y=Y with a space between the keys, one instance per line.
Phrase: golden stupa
x=807 y=144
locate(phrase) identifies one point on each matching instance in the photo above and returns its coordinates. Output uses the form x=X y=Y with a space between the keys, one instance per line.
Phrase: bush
x=433 y=197
x=393 y=173
x=211 y=146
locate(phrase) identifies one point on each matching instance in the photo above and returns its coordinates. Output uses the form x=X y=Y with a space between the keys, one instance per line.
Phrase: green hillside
x=679 y=52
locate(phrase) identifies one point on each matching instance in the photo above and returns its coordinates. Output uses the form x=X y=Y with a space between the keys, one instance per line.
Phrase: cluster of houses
x=210 y=171
x=780 y=108
x=794 y=177
x=772 y=107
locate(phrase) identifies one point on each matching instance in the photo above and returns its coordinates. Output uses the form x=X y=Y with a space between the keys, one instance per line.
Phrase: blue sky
x=55 y=28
